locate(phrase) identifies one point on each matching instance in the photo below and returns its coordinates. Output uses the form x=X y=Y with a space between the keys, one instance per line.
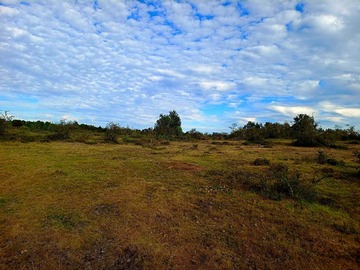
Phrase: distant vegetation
x=304 y=131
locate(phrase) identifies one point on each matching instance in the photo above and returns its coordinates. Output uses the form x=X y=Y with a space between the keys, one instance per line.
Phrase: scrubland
x=183 y=205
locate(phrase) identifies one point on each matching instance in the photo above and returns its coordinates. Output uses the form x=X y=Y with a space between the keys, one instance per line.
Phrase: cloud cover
x=214 y=62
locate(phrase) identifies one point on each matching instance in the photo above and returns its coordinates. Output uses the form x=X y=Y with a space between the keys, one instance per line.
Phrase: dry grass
x=78 y=206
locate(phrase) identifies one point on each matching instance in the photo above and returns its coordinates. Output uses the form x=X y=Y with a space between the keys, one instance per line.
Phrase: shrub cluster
x=280 y=183
x=276 y=183
x=261 y=162
x=111 y=132
x=323 y=159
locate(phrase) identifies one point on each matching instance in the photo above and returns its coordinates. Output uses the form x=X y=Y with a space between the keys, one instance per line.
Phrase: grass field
x=198 y=205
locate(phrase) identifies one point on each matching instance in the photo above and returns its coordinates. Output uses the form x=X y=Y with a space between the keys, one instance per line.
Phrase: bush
x=2 y=126
x=345 y=227
x=27 y=138
x=127 y=139
x=60 y=135
x=194 y=146
x=5 y=118
x=261 y=162
x=321 y=157
x=288 y=184
x=277 y=183
x=81 y=137
x=62 y=131
x=111 y=133
x=165 y=142
x=335 y=162
x=17 y=123
x=357 y=156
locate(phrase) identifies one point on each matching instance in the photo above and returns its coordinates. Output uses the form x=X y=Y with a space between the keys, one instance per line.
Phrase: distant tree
x=236 y=132
x=17 y=123
x=305 y=130
x=111 y=132
x=194 y=134
x=234 y=127
x=5 y=118
x=273 y=130
x=253 y=132
x=169 y=125
x=62 y=131
x=352 y=134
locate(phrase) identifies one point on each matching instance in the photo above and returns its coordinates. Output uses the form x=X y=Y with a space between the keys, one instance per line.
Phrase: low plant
x=194 y=146
x=345 y=227
x=279 y=182
x=335 y=162
x=261 y=162
x=276 y=183
x=323 y=159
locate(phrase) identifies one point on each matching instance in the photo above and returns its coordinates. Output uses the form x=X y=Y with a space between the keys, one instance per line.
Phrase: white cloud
x=204 y=69
x=217 y=85
x=170 y=73
x=349 y=112
x=156 y=78
x=345 y=112
x=335 y=119
x=255 y=81
x=122 y=60
x=293 y=110
x=8 y=11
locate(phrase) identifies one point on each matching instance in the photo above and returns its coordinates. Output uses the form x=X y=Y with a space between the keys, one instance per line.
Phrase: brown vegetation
x=176 y=206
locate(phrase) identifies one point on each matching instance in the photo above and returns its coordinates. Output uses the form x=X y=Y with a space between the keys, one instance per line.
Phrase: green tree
x=168 y=125
x=253 y=132
x=305 y=130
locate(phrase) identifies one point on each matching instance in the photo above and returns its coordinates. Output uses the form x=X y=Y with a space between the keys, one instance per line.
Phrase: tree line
x=304 y=131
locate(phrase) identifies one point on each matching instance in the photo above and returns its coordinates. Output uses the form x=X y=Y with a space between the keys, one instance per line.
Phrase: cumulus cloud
x=128 y=61
x=294 y=110
x=343 y=111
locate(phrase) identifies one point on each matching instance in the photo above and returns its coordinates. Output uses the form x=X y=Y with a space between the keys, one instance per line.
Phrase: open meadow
x=179 y=205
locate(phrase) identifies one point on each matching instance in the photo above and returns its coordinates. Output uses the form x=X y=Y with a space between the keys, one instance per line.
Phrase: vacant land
x=200 y=205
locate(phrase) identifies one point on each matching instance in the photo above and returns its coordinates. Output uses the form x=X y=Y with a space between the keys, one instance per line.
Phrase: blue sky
x=214 y=62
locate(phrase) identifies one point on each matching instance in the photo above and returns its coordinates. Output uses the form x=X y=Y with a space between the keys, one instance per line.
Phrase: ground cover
x=186 y=205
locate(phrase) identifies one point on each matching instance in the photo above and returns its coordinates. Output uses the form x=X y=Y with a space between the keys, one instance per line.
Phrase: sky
x=215 y=62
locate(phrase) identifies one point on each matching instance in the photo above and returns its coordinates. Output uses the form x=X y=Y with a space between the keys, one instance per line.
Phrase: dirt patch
x=184 y=166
